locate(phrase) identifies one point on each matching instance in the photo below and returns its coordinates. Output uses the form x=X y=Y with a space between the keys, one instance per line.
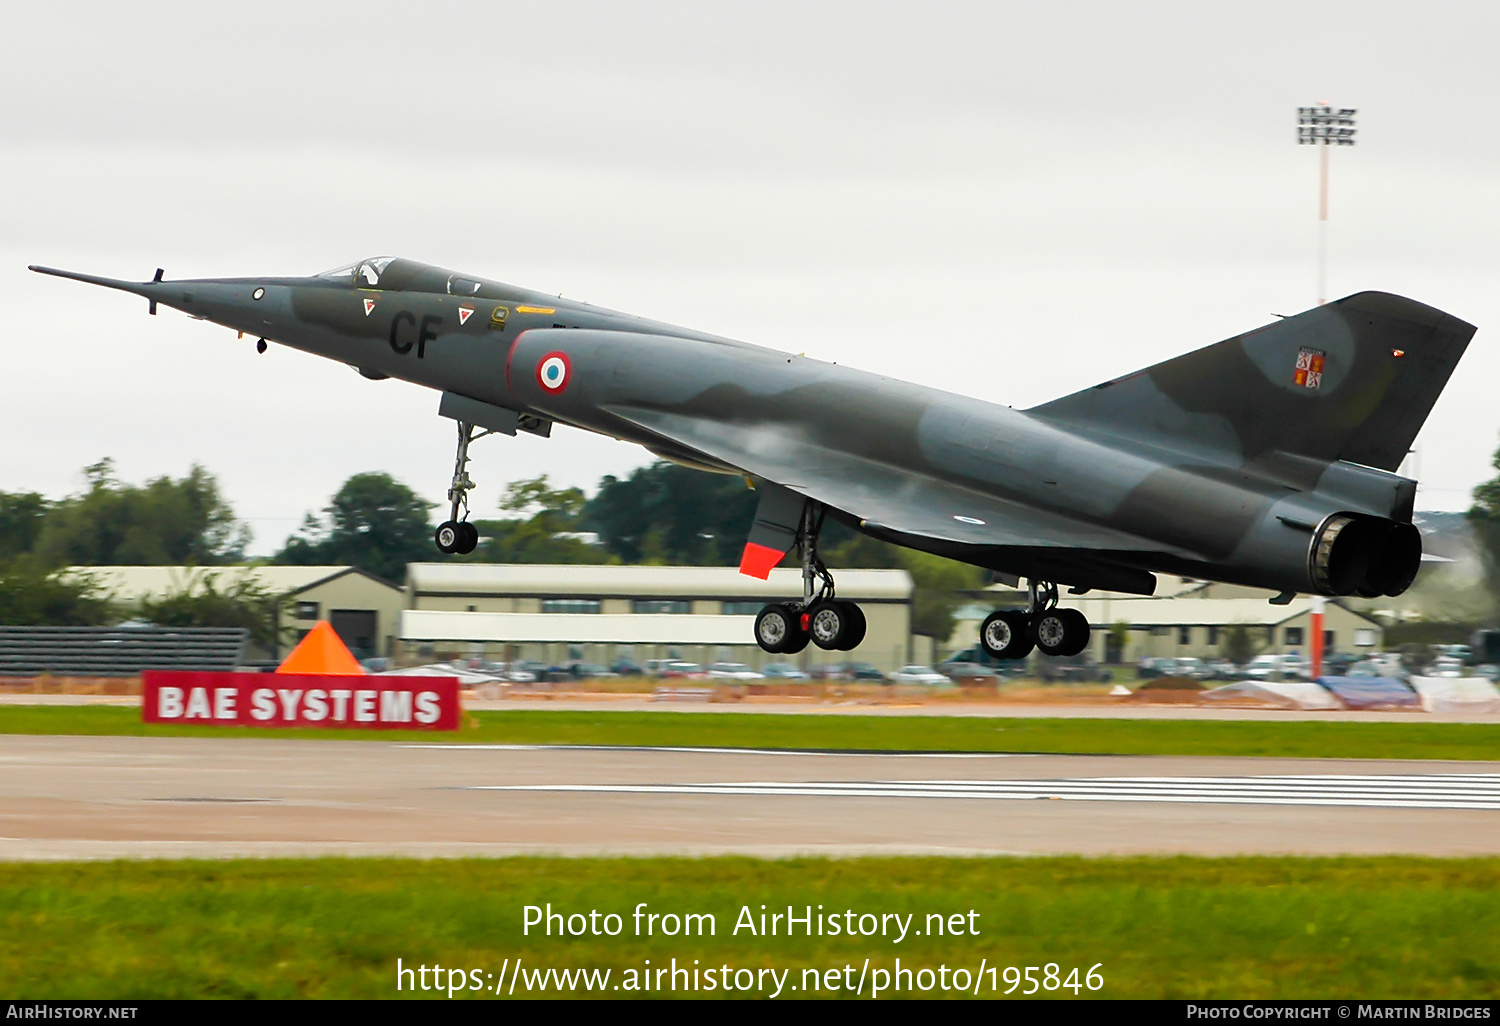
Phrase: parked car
x=1151 y=667
x=1223 y=669
x=518 y=673
x=589 y=671
x=733 y=671
x=626 y=668
x=1190 y=667
x=919 y=675
x=976 y=662
x=676 y=669
x=783 y=671
x=1446 y=666
x=847 y=671
x=1075 y=669
x=1273 y=666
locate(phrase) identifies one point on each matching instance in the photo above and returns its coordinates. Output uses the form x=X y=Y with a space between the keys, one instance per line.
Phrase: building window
x=1213 y=635
x=661 y=606
x=570 y=605
x=1364 y=637
x=743 y=608
x=1184 y=635
x=1160 y=632
x=1328 y=641
x=1294 y=635
x=308 y=610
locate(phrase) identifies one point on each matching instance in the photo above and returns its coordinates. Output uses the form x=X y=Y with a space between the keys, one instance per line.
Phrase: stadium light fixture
x=1324 y=126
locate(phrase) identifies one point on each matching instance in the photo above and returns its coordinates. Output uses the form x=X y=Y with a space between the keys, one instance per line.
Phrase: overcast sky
x=1013 y=201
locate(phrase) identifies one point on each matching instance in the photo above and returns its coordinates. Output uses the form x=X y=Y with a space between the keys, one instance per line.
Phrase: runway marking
x=1410 y=791
x=726 y=751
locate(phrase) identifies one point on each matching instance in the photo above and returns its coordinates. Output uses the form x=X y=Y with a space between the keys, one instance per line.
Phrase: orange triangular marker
x=322 y=651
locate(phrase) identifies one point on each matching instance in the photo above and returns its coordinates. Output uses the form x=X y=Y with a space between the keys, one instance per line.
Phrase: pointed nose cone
x=151 y=291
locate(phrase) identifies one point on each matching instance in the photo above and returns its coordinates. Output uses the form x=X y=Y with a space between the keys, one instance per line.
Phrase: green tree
x=200 y=601
x=672 y=514
x=1238 y=644
x=1484 y=517
x=541 y=514
x=33 y=594
x=21 y=517
x=373 y=522
x=165 y=521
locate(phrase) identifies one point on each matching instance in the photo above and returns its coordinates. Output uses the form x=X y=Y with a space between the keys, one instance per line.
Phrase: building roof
x=638 y=581
x=135 y=583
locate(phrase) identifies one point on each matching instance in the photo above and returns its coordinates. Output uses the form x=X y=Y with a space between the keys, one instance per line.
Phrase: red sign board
x=300 y=700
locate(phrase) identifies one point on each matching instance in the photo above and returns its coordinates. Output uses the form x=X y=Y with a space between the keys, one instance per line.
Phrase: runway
x=1411 y=791
x=108 y=797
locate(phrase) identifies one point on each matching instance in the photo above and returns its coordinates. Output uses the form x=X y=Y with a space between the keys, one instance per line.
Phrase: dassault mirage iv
x=1265 y=460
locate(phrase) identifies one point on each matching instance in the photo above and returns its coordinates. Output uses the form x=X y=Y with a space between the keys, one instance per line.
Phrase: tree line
x=660 y=514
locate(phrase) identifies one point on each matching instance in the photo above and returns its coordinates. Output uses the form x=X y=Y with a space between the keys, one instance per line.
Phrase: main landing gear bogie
x=833 y=624
x=1013 y=633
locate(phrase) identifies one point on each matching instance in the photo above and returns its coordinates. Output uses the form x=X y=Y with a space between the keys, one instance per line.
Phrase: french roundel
x=552 y=372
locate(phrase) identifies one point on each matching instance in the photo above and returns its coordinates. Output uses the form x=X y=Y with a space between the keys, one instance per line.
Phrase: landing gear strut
x=1012 y=633
x=456 y=534
x=833 y=624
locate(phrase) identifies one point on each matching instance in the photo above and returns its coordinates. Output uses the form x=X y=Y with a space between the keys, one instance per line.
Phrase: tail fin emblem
x=1309 y=367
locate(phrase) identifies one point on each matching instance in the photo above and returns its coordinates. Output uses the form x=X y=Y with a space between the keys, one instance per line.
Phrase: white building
x=600 y=613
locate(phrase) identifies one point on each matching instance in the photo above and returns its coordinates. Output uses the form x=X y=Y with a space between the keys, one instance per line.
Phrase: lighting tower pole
x=1324 y=126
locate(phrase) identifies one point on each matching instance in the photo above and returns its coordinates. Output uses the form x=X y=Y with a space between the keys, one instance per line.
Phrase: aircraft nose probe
x=151 y=291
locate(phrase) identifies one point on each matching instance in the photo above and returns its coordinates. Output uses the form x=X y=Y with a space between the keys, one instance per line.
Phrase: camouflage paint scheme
x=1228 y=463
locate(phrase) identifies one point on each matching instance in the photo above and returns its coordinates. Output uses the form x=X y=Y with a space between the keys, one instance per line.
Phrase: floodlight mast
x=1330 y=126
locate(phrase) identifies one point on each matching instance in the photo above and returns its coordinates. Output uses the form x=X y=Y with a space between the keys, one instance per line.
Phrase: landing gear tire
x=448 y=537
x=1061 y=632
x=832 y=624
x=1006 y=634
x=855 y=632
x=468 y=538
x=778 y=629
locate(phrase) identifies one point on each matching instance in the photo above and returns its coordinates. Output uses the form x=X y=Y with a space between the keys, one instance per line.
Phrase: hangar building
x=700 y=614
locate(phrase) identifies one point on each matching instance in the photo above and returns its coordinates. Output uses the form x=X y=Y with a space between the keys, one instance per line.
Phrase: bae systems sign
x=300 y=700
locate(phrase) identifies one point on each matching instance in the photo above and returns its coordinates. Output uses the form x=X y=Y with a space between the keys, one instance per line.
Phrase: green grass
x=1172 y=927
x=1285 y=738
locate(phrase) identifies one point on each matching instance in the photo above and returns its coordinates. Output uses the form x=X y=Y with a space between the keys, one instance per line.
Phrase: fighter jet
x=1268 y=459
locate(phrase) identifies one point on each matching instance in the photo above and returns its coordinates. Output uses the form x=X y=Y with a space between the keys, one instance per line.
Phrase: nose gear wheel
x=456 y=534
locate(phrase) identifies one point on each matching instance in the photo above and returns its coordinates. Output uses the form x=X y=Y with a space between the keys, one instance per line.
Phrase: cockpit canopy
x=377 y=273
x=365 y=274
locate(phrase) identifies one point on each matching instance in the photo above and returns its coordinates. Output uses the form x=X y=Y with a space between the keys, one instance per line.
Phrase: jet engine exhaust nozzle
x=1365 y=556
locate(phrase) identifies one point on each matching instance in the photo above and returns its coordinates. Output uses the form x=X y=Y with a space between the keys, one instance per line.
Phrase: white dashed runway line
x=1407 y=791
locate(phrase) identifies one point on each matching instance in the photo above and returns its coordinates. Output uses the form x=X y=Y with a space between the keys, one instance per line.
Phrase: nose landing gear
x=456 y=534
x=1012 y=633
x=833 y=624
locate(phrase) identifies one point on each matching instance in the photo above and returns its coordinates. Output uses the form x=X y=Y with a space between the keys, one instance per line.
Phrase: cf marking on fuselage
x=425 y=334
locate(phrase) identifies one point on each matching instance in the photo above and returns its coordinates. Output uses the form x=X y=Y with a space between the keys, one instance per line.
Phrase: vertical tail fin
x=1353 y=380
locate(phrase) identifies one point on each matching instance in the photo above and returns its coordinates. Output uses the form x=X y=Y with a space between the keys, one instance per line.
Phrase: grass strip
x=1162 y=927
x=1286 y=739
